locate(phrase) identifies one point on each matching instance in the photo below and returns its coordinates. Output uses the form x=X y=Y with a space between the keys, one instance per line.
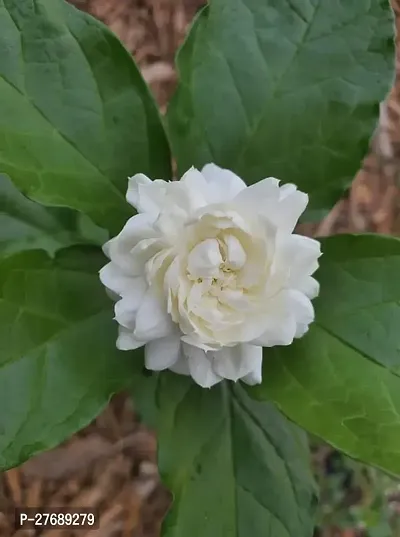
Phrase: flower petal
x=126 y=308
x=302 y=310
x=277 y=333
x=255 y=375
x=257 y=195
x=159 y=196
x=204 y=260
x=236 y=255
x=233 y=363
x=126 y=340
x=181 y=366
x=132 y=194
x=152 y=319
x=156 y=266
x=119 y=248
x=280 y=324
x=235 y=299
x=301 y=330
x=112 y=277
x=223 y=184
x=200 y=366
x=162 y=353
x=145 y=195
x=298 y=254
x=124 y=315
x=282 y=205
x=292 y=205
x=195 y=183
x=309 y=286
x=142 y=252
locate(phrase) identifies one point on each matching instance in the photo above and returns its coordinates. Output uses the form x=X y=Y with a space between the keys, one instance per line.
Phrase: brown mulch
x=152 y=30
x=111 y=465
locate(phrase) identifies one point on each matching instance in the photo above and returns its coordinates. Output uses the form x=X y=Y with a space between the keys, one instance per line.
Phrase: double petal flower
x=209 y=272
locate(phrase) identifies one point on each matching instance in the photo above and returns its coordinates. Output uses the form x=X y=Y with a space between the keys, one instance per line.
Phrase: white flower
x=209 y=272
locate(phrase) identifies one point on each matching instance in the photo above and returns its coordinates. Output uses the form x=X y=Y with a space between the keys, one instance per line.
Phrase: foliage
x=284 y=89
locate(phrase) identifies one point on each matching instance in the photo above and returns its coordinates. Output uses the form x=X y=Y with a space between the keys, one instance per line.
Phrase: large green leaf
x=236 y=467
x=341 y=380
x=76 y=118
x=360 y=295
x=58 y=360
x=283 y=88
x=26 y=225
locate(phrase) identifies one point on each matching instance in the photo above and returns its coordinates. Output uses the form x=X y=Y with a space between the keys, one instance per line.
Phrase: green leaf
x=341 y=381
x=26 y=225
x=76 y=118
x=58 y=360
x=360 y=295
x=283 y=88
x=234 y=466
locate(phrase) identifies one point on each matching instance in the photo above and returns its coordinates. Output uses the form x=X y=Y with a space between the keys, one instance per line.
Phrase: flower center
x=216 y=259
x=214 y=264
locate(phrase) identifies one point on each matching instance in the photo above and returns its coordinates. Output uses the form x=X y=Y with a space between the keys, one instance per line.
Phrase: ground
x=111 y=464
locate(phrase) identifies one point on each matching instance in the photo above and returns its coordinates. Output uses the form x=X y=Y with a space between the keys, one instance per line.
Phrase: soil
x=111 y=465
